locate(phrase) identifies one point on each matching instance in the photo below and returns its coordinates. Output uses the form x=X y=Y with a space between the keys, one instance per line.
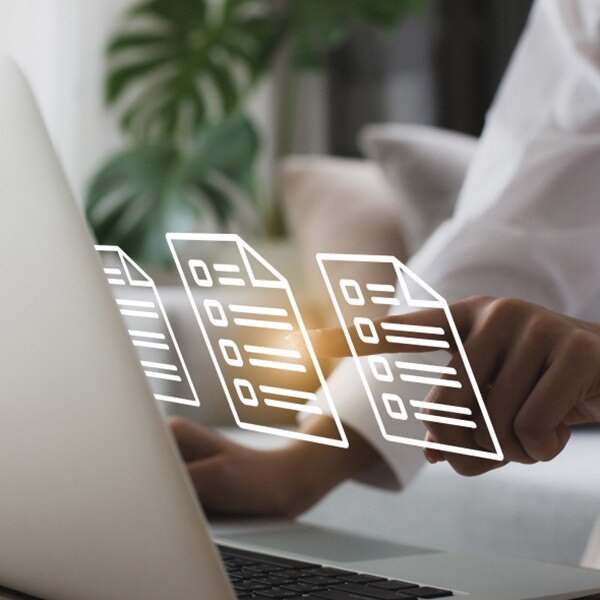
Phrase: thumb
x=432 y=456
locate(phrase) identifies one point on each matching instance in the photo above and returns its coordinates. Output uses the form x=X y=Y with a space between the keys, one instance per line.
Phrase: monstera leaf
x=179 y=73
x=319 y=26
x=153 y=188
x=177 y=64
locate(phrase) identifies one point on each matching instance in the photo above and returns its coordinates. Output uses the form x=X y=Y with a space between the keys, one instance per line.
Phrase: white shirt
x=527 y=222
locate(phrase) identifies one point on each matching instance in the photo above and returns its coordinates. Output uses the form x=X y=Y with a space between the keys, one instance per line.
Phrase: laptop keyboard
x=255 y=575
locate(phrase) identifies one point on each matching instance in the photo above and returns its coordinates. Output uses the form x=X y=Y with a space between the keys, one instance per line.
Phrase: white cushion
x=425 y=166
x=341 y=206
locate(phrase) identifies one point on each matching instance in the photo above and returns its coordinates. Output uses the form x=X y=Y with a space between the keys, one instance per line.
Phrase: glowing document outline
x=439 y=302
x=279 y=282
x=148 y=282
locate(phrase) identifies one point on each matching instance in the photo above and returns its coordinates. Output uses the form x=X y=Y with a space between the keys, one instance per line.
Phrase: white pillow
x=341 y=206
x=425 y=166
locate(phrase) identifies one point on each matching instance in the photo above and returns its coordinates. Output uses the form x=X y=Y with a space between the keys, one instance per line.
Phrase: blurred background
x=145 y=98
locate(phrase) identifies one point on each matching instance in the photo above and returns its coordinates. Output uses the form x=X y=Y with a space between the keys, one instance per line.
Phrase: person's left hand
x=232 y=479
x=538 y=371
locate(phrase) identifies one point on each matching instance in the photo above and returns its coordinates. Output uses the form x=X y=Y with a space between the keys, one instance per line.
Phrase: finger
x=444 y=424
x=540 y=422
x=456 y=422
x=482 y=435
x=577 y=417
x=433 y=456
x=423 y=331
x=194 y=441
x=475 y=466
x=522 y=367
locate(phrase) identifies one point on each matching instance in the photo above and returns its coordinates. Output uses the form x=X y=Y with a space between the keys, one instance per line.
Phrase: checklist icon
x=396 y=385
x=245 y=310
x=149 y=328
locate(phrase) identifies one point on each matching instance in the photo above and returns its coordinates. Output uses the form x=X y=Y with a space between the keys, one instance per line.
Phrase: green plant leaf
x=153 y=188
x=320 y=26
x=179 y=73
x=179 y=64
x=229 y=147
x=135 y=41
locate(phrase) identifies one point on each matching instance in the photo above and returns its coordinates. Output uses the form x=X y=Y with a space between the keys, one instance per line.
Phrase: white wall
x=59 y=44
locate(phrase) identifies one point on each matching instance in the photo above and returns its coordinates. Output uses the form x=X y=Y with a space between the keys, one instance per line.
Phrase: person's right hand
x=539 y=373
x=233 y=479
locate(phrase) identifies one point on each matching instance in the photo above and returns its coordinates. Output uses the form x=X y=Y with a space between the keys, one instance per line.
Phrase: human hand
x=538 y=371
x=232 y=479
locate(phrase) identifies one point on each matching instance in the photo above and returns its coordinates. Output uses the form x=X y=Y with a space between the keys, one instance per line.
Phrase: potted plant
x=180 y=72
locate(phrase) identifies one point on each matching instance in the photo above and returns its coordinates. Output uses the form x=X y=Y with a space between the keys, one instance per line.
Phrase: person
x=526 y=226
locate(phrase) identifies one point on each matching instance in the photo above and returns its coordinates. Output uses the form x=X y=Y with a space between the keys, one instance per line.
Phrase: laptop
x=94 y=501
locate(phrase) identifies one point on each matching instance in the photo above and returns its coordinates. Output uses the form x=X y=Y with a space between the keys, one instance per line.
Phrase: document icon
x=245 y=310
x=149 y=328
x=402 y=384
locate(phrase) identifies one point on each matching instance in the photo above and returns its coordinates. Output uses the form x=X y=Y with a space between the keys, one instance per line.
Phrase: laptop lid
x=95 y=503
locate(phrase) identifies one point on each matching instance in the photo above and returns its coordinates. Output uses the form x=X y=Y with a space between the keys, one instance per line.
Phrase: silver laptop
x=94 y=501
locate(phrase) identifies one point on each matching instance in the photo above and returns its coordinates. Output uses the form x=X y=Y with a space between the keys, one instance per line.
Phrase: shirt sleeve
x=527 y=221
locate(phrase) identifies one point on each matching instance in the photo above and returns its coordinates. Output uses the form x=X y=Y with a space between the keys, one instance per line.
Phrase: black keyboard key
x=429 y=592
x=292 y=573
x=273 y=580
x=237 y=562
x=302 y=588
x=276 y=593
x=264 y=568
x=371 y=592
x=393 y=585
x=360 y=578
x=331 y=572
x=339 y=595
x=286 y=563
x=245 y=573
x=249 y=586
x=320 y=581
